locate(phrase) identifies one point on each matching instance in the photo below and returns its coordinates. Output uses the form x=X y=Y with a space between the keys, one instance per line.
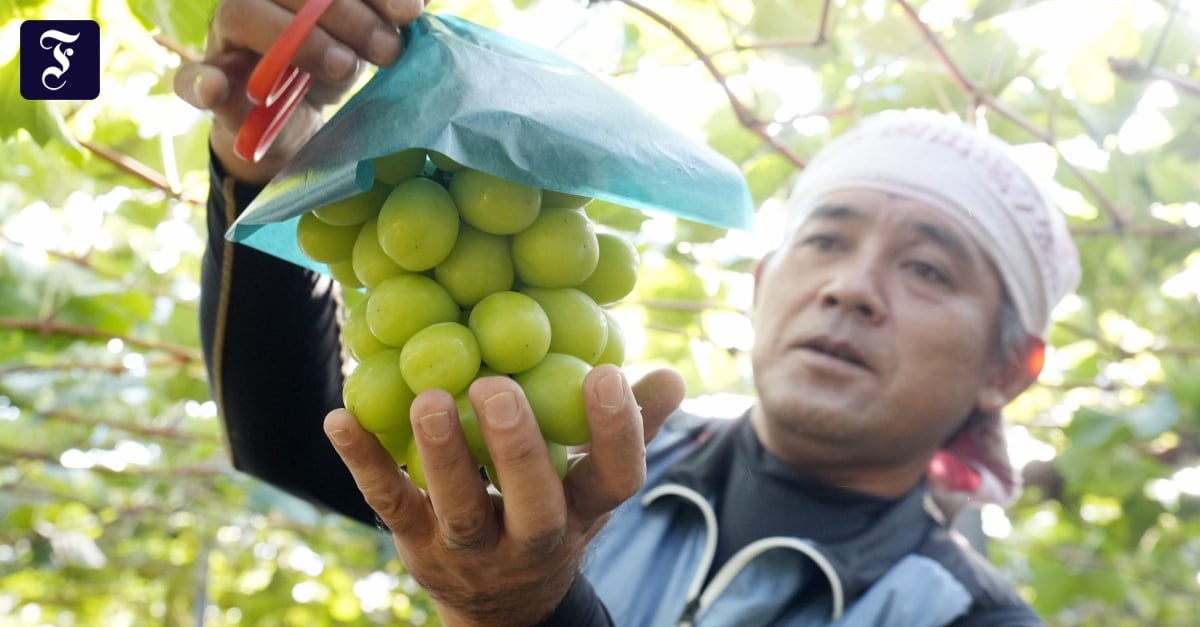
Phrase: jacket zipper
x=691 y=609
x=700 y=598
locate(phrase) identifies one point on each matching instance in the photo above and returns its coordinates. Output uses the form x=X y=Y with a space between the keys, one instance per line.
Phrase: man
x=904 y=309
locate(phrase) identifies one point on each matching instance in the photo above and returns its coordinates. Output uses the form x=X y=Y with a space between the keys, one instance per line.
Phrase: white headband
x=971 y=176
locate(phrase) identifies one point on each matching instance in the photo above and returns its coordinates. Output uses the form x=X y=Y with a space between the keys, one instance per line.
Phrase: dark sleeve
x=999 y=617
x=271 y=341
x=580 y=608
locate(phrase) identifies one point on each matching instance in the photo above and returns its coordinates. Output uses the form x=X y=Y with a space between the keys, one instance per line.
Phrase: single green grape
x=399 y=167
x=402 y=305
x=377 y=395
x=322 y=242
x=554 y=388
x=559 y=459
x=343 y=273
x=372 y=265
x=412 y=462
x=444 y=163
x=616 y=270
x=577 y=323
x=418 y=224
x=559 y=249
x=355 y=209
x=357 y=336
x=562 y=200
x=614 y=346
x=479 y=264
x=514 y=332
x=442 y=356
x=469 y=420
x=493 y=204
x=396 y=443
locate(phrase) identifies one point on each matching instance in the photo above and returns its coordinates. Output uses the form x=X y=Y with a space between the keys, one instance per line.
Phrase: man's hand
x=242 y=30
x=506 y=561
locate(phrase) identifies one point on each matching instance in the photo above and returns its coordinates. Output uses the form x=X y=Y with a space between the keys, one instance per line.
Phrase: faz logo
x=60 y=60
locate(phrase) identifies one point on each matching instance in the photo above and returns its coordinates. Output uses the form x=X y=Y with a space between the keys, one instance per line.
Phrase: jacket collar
x=859 y=561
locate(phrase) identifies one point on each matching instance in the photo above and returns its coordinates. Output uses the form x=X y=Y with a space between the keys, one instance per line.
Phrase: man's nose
x=855 y=288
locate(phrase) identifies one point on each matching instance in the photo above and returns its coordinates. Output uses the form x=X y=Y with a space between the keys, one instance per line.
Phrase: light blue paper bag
x=505 y=107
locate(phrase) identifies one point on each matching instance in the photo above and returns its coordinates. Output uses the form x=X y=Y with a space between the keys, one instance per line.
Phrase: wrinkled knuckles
x=388 y=505
x=521 y=453
x=544 y=544
x=621 y=430
x=230 y=16
x=464 y=531
x=402 y=11
x=613 y=493
x=451 y=543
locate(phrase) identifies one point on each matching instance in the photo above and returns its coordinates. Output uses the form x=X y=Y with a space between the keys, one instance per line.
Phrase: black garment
x=765 y=497
x=270 y=336
x=886 y=529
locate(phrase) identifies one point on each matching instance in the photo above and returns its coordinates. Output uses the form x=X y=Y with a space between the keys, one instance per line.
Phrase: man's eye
x=927 y=272
x=822 y=243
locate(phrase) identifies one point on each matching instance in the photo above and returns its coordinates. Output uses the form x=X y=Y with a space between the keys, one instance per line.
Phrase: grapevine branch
x=981 y=97
x=1135 y=71
x=167 y=433
x=131 y=166
x=1175 y=351
x=46 y=457
x=1166 y=231
x=815 y=42
x=745 y=116
x=174 y=46
x=683 y=305
x=85 y=262
x=54 y=327
x=115 y=369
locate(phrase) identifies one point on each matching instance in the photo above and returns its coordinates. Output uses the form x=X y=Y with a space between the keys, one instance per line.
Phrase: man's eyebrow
x=944 y=239
x=837 y=212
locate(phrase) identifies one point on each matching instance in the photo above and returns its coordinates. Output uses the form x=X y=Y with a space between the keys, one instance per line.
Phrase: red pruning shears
x=276 y=86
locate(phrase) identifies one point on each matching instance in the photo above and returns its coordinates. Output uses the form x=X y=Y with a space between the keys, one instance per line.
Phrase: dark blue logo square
x=60 y=60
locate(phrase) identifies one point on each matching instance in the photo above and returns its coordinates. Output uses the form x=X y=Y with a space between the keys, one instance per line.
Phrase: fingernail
x=339 y=61
x=610 y=390
x=196 y=92
x=436 y=425
x=501 y=409
x=397 y=7
x=340 y=437
x=383 y=46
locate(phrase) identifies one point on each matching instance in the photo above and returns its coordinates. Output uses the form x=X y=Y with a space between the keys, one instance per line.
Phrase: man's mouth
x=838 y=349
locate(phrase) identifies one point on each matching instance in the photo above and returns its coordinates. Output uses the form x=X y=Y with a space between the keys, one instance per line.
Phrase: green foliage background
x=118 y=505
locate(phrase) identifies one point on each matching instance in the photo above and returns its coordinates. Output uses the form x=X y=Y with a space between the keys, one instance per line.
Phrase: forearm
x=271 y=345
x=580 y=608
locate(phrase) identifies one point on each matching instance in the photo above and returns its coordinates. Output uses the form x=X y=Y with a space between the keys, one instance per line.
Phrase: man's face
x=874 y=323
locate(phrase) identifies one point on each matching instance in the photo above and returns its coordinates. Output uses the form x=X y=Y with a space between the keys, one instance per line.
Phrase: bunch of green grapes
x=470 y=275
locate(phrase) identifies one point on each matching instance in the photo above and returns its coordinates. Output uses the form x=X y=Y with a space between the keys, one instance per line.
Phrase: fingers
x=218 y=84
x=400 y=504
x=534 y=510
x=398 y=11
x=622 y=419
x=201 y=85
x=659 y=394
x=257 y=24
x=615 y=467
x=460 y=500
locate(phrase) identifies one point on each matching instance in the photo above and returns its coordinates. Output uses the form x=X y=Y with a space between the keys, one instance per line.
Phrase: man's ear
x=758 y=270
x=1009 y=379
